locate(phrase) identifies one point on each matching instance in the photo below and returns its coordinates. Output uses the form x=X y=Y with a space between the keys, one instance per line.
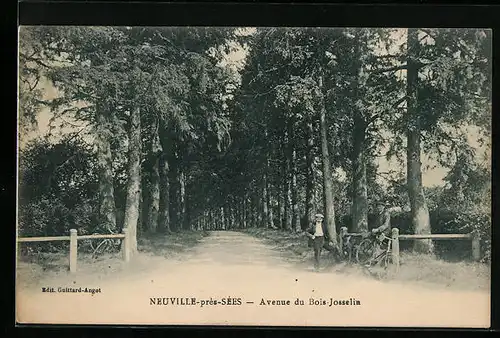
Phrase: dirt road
x=249 y=272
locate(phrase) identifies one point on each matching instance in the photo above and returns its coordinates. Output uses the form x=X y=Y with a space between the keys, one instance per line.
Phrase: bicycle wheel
x=364 y=251
x=349 y=255
x=346 y=251
x=387 y=254
x=100 y=249
x=388 y=258
x=385 y=262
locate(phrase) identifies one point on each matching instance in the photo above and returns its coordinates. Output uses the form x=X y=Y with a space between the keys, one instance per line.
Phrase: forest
x=159 y=130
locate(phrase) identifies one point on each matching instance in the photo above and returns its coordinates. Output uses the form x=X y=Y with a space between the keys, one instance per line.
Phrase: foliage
x=226 y=130
x=57 y=188
x=30 y=77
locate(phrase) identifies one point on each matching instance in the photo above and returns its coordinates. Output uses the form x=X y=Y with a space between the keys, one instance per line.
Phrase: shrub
x=58 y=189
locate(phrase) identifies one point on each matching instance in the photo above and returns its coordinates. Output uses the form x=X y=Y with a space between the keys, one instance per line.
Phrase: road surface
x=240 y=267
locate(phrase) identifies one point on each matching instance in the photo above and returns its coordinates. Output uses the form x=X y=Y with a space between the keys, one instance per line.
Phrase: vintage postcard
x=255 y=176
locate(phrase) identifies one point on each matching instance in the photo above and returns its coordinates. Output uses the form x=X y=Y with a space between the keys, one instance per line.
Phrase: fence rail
x=101 y=236
x=396 y=237
x=437 y=236
x=43 y=239
x=73 y=243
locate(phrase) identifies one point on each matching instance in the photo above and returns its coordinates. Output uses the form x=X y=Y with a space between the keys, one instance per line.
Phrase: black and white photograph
x=254 y=176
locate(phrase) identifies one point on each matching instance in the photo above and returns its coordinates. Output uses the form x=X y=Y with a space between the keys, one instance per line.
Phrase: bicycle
x=349 y=245
x=104 y=245
x=375 y=251
x=109 y=245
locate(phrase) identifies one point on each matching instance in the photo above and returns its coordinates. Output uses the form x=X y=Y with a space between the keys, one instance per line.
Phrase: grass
x=169 y=245
x=428 y=269
x=417 y=268
x=292 y=244
x=32 y=270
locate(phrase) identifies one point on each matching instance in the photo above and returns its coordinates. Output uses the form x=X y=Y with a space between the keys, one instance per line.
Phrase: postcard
x=256 y=176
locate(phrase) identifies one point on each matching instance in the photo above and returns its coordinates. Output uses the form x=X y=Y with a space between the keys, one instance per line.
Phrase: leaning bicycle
x=374 y=251
x=349 y=244
x=106 y=245
x=97 y=247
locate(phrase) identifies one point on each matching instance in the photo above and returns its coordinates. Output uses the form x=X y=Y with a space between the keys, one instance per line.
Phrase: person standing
x=316 y=233
x=383 y=230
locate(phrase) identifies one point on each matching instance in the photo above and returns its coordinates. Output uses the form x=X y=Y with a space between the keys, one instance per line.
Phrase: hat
x=319 y=216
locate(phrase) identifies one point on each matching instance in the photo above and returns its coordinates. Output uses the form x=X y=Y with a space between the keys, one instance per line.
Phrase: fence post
x=126 y=246
x=476 y=246
x=395 y=247
x=73 y=249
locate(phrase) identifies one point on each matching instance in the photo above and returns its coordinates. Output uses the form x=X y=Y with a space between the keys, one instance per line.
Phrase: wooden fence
x=73 y=244
x=396 y=237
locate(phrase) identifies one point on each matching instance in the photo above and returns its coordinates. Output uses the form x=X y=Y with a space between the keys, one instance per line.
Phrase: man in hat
x=316 y=234
x=385 y=212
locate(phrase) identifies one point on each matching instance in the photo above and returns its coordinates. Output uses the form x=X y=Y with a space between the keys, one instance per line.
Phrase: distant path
x=237 y=265
x=233 y=249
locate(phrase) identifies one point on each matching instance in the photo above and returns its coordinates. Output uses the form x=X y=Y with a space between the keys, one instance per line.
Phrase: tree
x=440 y=97
x=90 y=81
x=31 y=66
x=294 y=78
x=419 y=210
x=175 y=127
x=58 y=185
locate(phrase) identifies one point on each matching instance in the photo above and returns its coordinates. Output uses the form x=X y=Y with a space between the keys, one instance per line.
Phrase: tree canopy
x=174 y=137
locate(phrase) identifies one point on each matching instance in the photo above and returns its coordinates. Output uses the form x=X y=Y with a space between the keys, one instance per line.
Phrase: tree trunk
x=154 y=196
x=134 y=178
x=281 y=206
x=258 y=208
x=234 y=215
x=359 y=211
x=287 y=179
x=153 y=191
x=419 y=210
x=295 y=199
x=164 y=208
x=245 y=212
x=242 y=220
x=182 y=200
x=223 y=218
x=251 y=209
x=288 y=198
x=227 y=217
x=107 y=208
x=327 y=175
x=270 y=205
x=173 y=194
x=265 y=211
x=140 y=219
x=289 y=206
x=309 y=214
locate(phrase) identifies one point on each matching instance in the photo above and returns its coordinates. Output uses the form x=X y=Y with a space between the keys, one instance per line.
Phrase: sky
x=432 y=174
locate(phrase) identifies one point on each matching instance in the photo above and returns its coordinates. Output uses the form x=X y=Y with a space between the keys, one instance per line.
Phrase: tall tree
x=359 y=210
x=327 y=173
x=134 y=177
x=419 y=211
